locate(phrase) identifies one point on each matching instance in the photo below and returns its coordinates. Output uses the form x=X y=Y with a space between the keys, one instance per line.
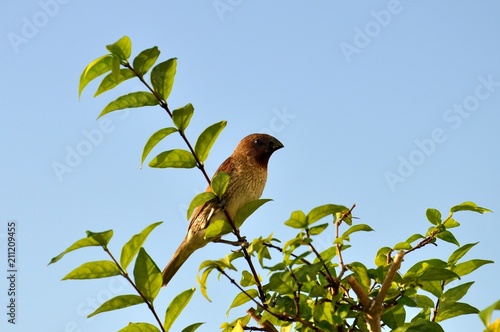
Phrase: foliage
x=304 y=289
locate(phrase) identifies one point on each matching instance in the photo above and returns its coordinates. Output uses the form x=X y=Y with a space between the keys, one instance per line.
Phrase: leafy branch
x=305 y=288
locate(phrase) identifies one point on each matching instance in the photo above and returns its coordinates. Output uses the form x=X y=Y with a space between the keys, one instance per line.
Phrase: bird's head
x=258 y=146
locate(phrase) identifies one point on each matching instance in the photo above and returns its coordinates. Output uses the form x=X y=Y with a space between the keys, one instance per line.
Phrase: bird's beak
x=274 y=145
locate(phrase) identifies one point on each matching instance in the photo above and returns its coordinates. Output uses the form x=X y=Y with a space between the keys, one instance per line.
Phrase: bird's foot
x=242 y=243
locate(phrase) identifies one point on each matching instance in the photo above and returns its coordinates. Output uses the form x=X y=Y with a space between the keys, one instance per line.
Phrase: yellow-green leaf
x=122 y=48
x=110 y=81
x=469 y=206
x=219 y=183
x=118 y=302
x=176 y=306
x=182 y=115
x=145 y=60
x=155 y=139
x=147 y=275
x=95 y=69
x=217 y=228
x=242 y=298
x=92 y=240
x=176 y=158
x=94 y=270
x=131 y=100
x=198 y=200
x=434 y=216
x=139 y=327
x=297 y=220
x=247 y=210
x=131 y=248
x=162 y=78
x=207 y=139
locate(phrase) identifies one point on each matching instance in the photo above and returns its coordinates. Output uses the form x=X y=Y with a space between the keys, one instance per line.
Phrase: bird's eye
x=258 y=142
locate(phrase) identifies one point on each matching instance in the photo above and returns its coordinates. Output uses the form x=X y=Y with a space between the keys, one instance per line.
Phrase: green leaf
x=308 y=272
x=243 y=298
x=94 y=270
x=181 y=116
x=486 y=313
x=115 y=67
x=437 y=273
x=395 y=316
x=402 y=246
x=423 y=301
x=322 y=314
x=459 y=253
x=281 y=282
x=324 y=210
x=131 y=248
x=122 y=48
x=192 y=327
x=454 y=310
x=139 y=327
x=118 y=302
x=176 y=158
x=176 y=306
x=381 y=258
x=467 y=267
x=434 y=216
x=95 y=69
x=469 y=206
x=247 y=210
x=198 y=200
x=247 y=279
x=451 y=223
x=316 y=230
x=92 y=240
x=297 y=220
x=356 y=228
x=147 y=275
x=145 y=60
x=448 y=237
x=217 y=228
x=219 y=183
x=162 y=78
x=102 y=238
x=155 y=139
x=456 y=293
x=433 y=286
x=110 y=81
x=361 y=274
x=207 y=139
x=423 y=326
x=414 y=237
x=131 y=100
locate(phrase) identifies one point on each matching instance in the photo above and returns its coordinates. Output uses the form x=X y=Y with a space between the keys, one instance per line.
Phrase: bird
x=247 y=170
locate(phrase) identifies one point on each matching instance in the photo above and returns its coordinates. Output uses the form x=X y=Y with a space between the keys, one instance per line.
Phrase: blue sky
x=392 y=105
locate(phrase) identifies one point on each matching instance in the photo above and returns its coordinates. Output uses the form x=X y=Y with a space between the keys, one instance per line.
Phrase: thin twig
x=127 y=277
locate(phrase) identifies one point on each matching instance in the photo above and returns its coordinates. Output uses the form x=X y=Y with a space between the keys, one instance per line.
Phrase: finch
x=247 y=169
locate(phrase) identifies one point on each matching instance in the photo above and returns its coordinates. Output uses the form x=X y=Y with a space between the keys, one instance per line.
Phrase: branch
x=266 y=326
x=126 y=276
x=338 y=246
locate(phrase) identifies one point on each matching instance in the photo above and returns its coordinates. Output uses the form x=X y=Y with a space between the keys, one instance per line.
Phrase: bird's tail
x=180 y=256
